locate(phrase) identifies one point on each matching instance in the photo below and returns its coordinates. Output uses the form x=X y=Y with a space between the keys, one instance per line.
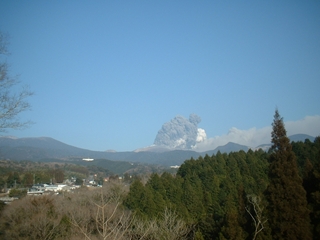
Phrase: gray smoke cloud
x=180 y=132
x=253 y=137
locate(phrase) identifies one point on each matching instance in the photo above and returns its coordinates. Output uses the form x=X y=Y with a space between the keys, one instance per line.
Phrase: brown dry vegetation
x=96 y=214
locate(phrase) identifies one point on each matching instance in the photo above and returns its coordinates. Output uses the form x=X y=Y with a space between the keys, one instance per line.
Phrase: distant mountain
x=229 y=147
x=301 y=137
x=293 y=138
x=37 y=142
x=40 y=149
x=264 y=147
x=154 y=148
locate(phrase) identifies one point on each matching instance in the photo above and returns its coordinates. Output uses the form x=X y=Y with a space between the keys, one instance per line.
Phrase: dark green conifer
x=311 y=183
x=231 y=228
x=288 y=215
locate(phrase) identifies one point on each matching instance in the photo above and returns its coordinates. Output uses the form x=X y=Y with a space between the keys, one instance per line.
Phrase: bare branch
x=3 y=44
x=12 y=101
x=257 y=216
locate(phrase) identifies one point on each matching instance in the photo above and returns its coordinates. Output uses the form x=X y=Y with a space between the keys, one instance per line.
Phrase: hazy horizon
x=109 y=74
x=252 y=137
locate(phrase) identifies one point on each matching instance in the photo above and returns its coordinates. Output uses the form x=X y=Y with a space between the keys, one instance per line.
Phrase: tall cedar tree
x=287 y=209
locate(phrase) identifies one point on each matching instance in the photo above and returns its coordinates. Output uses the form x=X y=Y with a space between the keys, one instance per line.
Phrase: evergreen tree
x=133 y=199
x=311 y=183
x=192 y=196
x=28 y=179
x=231 y=228
x=13 y=179
x=158 y=192
x=288 y=215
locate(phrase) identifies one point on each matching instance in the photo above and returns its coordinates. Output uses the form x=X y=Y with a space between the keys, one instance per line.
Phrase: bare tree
x=110 y=223
x=98 y=214
x=171 y=227
x=89 y=214
x=12 y=103
x=33 y=217
x=255 y=210
x=142 y=229
x=167 y=226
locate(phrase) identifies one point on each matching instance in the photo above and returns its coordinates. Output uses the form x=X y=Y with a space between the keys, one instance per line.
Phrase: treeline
x=215 y=193
x=213 y=197
x=25 y=179
x=24 y=174
x=86 y=214
x=240 y=195
x=209 y=193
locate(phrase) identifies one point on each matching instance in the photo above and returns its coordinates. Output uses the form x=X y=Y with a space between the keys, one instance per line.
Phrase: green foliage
x=13 y=179
x=209 y=192
x=192 y=197
x=78 y=181
x=311 y=182
x=26 y=173
x=18 y=193
x=28 y=180
x=231 y=228
x=287 y=210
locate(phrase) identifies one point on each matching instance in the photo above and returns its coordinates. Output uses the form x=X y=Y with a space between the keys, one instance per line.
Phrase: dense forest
x=24 y=174
x=240 y=195
x=216 y=194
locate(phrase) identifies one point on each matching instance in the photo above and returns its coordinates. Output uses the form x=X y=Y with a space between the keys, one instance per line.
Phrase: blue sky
x=109 y=74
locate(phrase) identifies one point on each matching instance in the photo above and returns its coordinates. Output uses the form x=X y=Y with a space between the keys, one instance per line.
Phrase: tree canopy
x=287 y=209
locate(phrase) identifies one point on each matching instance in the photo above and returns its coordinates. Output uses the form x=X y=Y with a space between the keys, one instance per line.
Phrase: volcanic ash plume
x=180 y=133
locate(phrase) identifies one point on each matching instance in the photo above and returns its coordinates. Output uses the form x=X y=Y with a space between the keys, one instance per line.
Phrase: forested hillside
x=215 y=193
x=208 y=193
x=240 y=195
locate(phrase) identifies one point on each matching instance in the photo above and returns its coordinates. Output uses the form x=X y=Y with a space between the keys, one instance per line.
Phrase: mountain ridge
x=38 y=148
